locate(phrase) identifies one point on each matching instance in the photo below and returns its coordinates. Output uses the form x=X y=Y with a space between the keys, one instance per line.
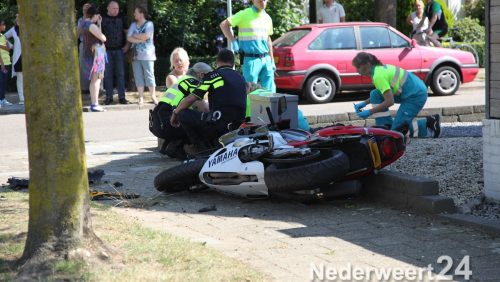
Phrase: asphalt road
x=129 y=124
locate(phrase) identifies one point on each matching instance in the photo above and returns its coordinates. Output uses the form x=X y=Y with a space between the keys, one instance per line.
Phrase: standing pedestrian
x=94 y=55
x=331 y=12
x=114 y=28
x=84 y=80
x=4 y=64
x=438 y=27
x=17 y=66
x=140 y=34
x=414 y=19
x=255 y=28
x=395 y=85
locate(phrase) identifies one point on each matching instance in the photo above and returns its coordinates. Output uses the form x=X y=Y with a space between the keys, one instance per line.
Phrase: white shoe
x=5 y=102
x=97 y=108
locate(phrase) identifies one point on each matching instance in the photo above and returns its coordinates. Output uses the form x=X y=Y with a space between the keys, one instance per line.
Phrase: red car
x=316 y=59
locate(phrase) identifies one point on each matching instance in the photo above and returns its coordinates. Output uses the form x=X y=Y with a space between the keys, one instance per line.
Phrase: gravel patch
x=456 y=161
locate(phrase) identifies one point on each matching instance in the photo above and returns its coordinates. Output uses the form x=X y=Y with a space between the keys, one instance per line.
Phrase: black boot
x=434 y=125
x=175 y=150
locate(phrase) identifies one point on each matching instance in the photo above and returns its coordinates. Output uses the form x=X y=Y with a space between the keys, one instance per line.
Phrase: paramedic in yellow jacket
x=254 y=30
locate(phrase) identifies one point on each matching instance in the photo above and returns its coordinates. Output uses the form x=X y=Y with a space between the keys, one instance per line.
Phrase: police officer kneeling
x=226 y=90
x=159 y=118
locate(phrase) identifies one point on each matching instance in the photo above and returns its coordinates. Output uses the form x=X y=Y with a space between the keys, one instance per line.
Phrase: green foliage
x=405 y=8
x=285 y=15
x=358 y=10
x=469 y=30
x=8 y=10
x=447 y=13
x=481 y=51
x=475 y=10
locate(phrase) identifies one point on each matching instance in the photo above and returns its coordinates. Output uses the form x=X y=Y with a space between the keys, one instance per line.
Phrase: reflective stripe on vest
x=254 y=25
x=251 y=33
x=173 y=95
x=395 y=80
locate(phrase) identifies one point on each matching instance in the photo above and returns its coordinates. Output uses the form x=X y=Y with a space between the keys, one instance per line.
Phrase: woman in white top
x=179 y=65
x=16 y=59
x=414 y=19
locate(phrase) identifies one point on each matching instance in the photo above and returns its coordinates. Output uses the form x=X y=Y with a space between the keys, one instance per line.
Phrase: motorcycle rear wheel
x=179 y=178
x=311 y=175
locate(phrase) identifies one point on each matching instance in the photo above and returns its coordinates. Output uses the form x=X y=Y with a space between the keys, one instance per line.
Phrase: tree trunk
x=131 y=4
x=59 y=216
x=386 y=11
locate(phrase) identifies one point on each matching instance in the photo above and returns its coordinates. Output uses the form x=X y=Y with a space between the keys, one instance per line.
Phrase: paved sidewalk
x=283 y=238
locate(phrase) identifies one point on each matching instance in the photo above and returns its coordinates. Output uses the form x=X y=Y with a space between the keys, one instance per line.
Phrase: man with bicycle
x=438 y=26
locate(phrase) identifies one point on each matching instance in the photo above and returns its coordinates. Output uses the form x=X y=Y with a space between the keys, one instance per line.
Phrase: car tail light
x=288 y=59
x=388 y=148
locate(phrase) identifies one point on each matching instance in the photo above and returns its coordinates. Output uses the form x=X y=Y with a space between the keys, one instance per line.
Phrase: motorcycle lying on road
x=265 y=160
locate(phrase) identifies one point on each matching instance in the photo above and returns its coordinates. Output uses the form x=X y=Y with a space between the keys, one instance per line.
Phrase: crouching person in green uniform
x=395 y=85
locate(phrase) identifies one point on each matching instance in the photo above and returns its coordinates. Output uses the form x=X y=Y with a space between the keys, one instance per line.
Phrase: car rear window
x=374 y=37
x=290 y=38
x=334 y=39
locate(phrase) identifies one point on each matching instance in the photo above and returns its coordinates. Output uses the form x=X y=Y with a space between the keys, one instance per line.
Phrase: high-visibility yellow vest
x=184 y=86
x=389 y=77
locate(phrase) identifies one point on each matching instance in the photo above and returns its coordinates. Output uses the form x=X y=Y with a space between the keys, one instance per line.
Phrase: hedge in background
x=469 y=30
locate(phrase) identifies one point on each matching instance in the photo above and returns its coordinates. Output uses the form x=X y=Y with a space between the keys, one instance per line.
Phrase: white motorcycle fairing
x=224 y=170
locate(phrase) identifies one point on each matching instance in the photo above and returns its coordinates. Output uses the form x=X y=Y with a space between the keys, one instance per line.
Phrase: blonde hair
x=182 y=53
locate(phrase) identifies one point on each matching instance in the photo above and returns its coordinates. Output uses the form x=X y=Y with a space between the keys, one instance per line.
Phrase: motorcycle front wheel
x=179 y=178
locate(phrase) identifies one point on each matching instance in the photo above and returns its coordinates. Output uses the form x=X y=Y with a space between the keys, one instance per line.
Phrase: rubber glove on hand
x=359 y=106
x=364 y=114
x=235 y=46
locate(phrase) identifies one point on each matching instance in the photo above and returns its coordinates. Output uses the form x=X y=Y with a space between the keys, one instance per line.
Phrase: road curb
x=404 y=191
x=123 y=107
x=491 y=227
x=474 y=113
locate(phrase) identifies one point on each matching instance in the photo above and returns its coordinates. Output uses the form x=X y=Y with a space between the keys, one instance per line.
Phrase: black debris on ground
x=16 y=183
x=95 y=176
x=208 y=209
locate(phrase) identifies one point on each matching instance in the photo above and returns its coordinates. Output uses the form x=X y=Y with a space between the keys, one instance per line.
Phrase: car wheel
x=320 y=88
x=445 y=81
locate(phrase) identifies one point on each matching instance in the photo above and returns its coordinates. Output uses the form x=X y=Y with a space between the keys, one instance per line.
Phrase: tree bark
x=386 y=11
x=59 y=216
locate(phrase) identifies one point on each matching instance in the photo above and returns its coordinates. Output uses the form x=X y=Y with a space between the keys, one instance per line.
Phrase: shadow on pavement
x=355 y=229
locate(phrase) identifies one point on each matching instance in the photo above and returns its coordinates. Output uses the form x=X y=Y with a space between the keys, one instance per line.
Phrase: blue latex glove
x=364 y=114
x=235 y=46
x=359 y=106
